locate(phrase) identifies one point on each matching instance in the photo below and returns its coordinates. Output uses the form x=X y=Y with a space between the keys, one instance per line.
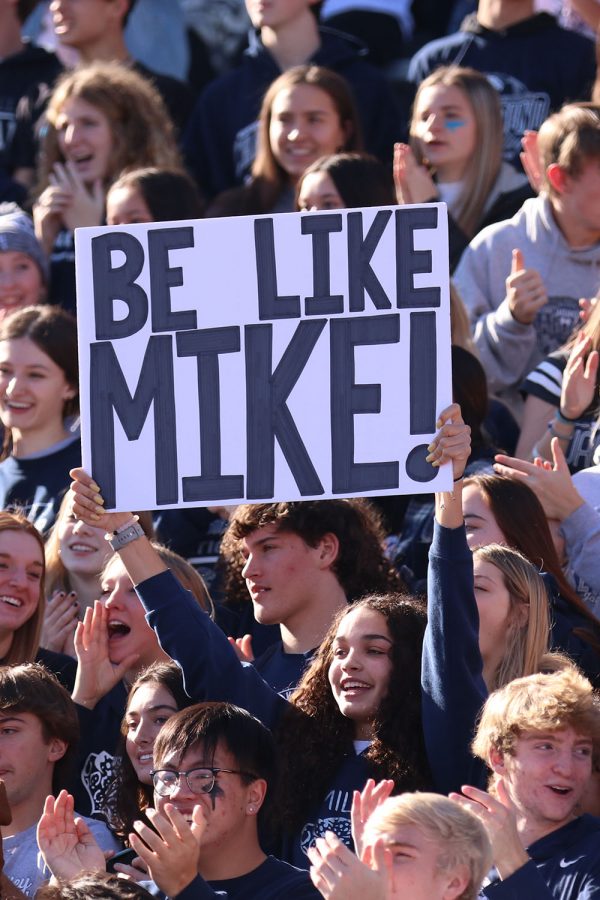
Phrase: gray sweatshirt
x=508 y=349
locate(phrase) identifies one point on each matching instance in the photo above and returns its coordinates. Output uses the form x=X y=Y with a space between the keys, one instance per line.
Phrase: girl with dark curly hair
x=357 y=710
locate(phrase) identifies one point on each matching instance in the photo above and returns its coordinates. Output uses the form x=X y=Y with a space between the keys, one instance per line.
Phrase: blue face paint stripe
x=455 y=123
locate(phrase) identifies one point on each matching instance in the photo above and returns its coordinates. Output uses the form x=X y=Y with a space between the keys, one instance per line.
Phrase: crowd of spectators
x=347 y=698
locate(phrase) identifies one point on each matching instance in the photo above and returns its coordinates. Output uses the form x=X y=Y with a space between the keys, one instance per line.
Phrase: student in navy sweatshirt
x=298 y=564
x=540 y=737
x=214 y=764
x=357 y=711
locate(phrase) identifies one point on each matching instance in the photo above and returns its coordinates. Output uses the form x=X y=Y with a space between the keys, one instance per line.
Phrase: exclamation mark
x=423 y=382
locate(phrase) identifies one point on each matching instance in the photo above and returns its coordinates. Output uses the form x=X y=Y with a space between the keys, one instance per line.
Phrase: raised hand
x=96 y=675
x=88 y=503
x=49 y=211
x=498 y=817
x=339 y=875
x=412 y=180
x=171 y=850
x=530 y=160
x=552 y=483
x=66 y=843
x=60 y=621
x=579 y=387
x=452 y=443
x=586 y=307
x=243 y=647
x=364 y=803
x=525 y=290
x=86 y=206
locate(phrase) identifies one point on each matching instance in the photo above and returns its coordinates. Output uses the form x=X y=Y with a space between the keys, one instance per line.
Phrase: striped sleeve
x=545 y=382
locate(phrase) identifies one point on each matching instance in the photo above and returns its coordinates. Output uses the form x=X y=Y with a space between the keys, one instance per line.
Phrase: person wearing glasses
x=213 y=763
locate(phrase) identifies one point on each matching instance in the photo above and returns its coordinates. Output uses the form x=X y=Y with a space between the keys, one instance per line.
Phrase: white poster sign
x=285 y=357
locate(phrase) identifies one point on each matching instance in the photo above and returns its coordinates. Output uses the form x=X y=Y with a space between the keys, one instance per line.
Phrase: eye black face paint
x=216 y=791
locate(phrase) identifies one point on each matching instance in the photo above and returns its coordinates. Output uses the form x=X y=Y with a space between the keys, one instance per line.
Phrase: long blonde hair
x=528 y=631
x=484 y=165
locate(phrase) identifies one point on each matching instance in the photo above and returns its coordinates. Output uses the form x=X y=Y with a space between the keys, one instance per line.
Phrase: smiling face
x=546 y=776
x=126 y=206
x=21 y=282
x=318 y=191
x=128 y=631
x=231 y=807
x=33 y=389
x=82 y=548
x=480 y=524
x=444 y=125
x=305 y=125
x=21 y=571
x=360 y=670
x=280 y=573
x=147 y=711
x=85 y=139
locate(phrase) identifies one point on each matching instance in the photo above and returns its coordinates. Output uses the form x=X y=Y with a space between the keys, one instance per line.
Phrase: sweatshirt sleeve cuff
x=505 y=319
x=578 y=525
x=525 y=882
x=197 y=889
x=449 y=542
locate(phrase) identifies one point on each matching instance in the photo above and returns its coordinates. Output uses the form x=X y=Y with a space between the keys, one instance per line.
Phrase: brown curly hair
x=314 y=736
x=141 y=128
x=361 y=566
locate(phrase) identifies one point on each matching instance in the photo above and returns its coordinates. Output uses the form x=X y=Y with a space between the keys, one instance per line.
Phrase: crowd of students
x=346 y=698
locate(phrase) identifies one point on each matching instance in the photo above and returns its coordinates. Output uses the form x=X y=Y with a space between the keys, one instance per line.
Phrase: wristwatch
x=127 y=533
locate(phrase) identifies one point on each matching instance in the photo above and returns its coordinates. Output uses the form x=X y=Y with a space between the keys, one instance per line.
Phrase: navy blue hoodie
x=220 y=139
x=212 y=671
x=535 y=65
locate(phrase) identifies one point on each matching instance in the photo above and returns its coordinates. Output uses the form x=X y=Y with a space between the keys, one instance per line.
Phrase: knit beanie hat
x=17 y=234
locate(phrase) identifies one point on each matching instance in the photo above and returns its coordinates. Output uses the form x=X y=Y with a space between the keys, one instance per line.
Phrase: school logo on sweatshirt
x=555 y=321
x=97 y=775
x=313 y=830
x=522 y=110
x=337 y=801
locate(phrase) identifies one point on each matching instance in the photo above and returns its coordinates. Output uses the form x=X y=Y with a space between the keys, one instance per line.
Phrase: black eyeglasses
x=199 y=781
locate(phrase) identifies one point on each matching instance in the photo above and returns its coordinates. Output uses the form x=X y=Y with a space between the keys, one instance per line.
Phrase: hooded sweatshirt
x=508 y=193
x=508 y=349
x=535 y=65
x=220 y=140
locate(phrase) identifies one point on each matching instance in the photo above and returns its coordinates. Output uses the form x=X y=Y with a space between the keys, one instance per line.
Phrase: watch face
x=131 y=533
